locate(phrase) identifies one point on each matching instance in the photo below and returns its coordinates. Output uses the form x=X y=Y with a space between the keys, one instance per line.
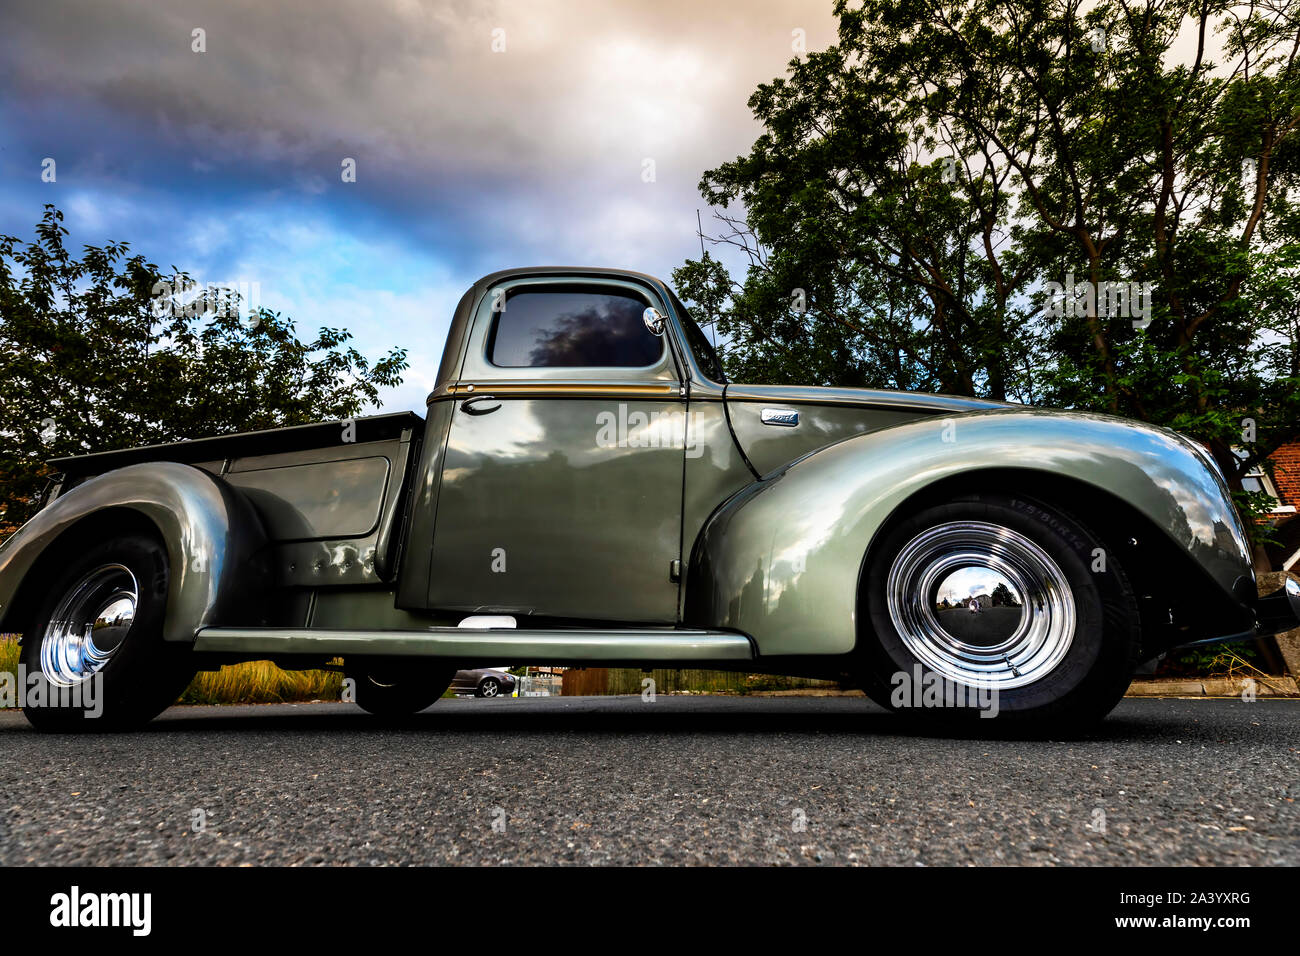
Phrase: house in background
x=1284 y=487
x=1283 y=556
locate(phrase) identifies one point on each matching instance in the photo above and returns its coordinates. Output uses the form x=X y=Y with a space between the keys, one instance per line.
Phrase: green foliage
x=106 y=351
x=923 y=180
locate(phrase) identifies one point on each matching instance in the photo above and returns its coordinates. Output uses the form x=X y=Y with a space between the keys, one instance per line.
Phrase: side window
x=562 y=328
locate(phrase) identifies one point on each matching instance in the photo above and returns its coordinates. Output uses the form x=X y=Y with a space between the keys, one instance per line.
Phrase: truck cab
x=556 y=453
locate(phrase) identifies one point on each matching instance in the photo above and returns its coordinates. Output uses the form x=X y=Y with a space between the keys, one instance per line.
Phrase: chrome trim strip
x=667 y=390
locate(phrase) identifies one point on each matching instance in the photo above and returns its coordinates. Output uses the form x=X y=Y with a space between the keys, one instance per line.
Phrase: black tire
x=1093 y=673
x=144 y=674
x=396 y=688
x=488 y=687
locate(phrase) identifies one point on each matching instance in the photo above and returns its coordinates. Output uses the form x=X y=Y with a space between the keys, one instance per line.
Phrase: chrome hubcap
x=979 y=603
x=89 y=624
x=490 y=689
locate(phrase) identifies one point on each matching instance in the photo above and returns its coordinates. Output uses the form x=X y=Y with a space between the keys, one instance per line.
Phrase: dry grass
x=255 y=682
x=1228 y=665
x=261 y=682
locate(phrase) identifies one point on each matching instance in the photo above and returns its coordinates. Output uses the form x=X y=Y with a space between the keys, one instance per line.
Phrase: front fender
x=213 y=539
x=781 y=561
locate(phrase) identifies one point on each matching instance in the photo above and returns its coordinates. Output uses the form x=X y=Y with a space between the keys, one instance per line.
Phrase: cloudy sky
x=485 y=135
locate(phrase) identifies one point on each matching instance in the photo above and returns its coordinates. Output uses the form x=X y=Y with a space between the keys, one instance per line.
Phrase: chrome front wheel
x=1003 y=594
x=981 y=604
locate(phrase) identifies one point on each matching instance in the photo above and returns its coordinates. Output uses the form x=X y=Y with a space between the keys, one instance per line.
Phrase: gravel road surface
x=682 y=780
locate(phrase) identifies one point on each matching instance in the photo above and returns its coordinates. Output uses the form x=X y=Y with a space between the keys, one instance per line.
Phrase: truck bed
x=240 y=445
x=331 y=508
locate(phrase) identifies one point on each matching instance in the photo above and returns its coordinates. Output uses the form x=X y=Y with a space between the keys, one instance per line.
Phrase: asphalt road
x=682 y=780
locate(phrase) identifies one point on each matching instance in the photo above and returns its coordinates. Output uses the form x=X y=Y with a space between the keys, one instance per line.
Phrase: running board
x=577 y=645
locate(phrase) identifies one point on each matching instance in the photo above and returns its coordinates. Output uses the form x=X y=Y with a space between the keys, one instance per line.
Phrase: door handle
x=470 y=408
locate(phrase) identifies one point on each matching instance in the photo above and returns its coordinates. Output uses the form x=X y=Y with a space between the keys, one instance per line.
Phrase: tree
x=106 y=351
x=1002 y=596
x=1029 y=199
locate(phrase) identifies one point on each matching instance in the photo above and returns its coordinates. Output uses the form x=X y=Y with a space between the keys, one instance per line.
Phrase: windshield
x=705 y=355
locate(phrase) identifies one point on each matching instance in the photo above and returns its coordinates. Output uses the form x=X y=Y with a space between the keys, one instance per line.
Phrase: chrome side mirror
x=654 y=320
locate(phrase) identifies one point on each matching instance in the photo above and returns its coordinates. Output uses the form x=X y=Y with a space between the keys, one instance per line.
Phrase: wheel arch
x=782 y=560
x=1157 y=570
x=214 y=541
x=117 y=520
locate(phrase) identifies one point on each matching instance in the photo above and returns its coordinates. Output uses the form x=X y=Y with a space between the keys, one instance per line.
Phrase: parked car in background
x=484 y=682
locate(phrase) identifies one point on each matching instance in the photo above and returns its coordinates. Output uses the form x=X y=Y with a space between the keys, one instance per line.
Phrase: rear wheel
x=96 y=640
x=395 y=688
x=999 y=605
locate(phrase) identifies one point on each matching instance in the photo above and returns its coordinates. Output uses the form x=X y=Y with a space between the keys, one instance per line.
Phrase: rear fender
x=214 y=539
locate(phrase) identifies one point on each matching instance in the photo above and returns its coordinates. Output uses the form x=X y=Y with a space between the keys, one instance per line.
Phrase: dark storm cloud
x=543 y=142
x=228 y=162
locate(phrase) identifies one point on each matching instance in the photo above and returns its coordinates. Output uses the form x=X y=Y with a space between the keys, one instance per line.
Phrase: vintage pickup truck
x=588 y=489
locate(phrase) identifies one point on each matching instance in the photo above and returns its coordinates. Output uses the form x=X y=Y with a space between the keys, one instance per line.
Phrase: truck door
x=561 y=489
